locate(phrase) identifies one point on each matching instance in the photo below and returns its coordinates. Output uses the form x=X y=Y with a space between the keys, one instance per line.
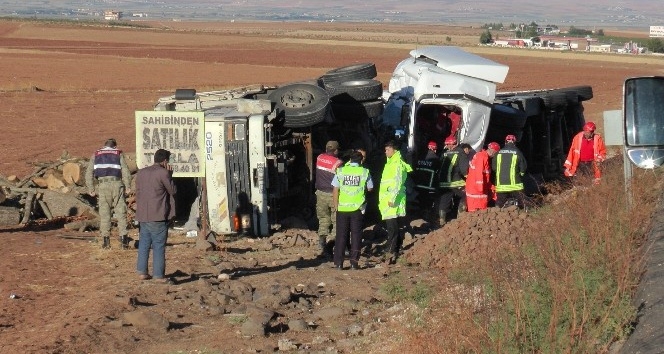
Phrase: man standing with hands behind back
x=155 y=207
x=109 y=168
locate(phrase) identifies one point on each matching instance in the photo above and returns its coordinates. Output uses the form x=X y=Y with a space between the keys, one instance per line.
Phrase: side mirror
x=643 y=111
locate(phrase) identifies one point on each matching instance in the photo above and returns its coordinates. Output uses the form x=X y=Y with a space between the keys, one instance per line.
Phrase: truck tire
x=554 y=99
x=347 y=73
x=585 y=92
x=302 y=105
x=355 y=90
x=357 y=110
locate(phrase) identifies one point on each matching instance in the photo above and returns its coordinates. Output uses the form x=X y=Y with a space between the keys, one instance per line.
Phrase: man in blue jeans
x=155 y=206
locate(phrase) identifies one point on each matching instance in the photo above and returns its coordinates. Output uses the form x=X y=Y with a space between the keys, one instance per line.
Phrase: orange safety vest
x=572 y=162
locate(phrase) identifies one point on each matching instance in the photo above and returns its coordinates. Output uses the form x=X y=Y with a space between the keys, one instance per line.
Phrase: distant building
x=112 y=15
x=656 y=31
x=602 y=48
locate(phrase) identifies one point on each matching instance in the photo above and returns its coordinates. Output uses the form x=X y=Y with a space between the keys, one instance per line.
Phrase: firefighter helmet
x=450 y=140
x=511 y=138
x=589 y=127
x=432 y=145
x=494 y=146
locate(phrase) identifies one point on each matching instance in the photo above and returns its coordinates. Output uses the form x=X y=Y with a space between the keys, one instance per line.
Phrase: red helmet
x=589 y=127
x=450 y=140
x=494 y=146
x=432 y=145
x=511 y=138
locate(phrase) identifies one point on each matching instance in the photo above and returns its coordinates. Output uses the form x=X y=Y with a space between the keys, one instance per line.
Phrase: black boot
x=442 y=218
x=322 y=242
x=107 y=243
x=124 y=242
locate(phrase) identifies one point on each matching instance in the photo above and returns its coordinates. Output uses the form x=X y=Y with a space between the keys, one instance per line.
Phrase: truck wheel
x=585 y=92
x=355 y=90
x=357 y=110
x=351 y=72
x=302 y=105
x=554 y=99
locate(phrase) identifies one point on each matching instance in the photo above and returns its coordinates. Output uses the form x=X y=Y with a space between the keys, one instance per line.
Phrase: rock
x=258 y=314
x=286 y=345
x=252 y=328
x=354 y=330
x=146 y=319
x=329 y=313
x=223 y=277
x=298 y=325
x=224 y=299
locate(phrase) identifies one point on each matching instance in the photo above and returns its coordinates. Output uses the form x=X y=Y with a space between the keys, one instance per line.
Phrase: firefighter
x=478 y=181
x=453 y=172
x=586 y=153
x=509 y=166
x=326 y=166
x=350 y=184
x=425 y=177
x=392 y=197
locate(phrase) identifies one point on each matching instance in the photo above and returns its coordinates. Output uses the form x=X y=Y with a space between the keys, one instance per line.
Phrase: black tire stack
x=354 y=94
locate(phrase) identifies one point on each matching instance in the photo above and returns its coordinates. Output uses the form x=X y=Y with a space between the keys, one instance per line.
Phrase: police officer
x=425 y=177
x=509 y=166
x=326 y=166
x=348 y=195
x=453 y=172
x=110 y=170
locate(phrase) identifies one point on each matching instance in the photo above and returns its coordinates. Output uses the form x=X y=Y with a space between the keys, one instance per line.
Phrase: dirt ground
x=70 y=88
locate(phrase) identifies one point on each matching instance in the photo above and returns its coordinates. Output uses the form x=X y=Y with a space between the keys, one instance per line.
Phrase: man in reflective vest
x=348 y=195
x=392 y=197
x=478 y=181
x=425 y=177
x=509 y=166
x=326 y=166
x=586 y=153
x=452 y=180
x=108 y=167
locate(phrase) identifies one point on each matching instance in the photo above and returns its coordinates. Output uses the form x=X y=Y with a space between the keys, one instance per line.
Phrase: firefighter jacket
x=509 y=166
x=478 y=182
x=393 y=187
x=454 y=168
x=599 y=153
x=326 y=167
x=107 y=162
x=352 y=182
x=426 y=172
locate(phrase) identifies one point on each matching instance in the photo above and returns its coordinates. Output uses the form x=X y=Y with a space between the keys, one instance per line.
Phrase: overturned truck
x=256 y=146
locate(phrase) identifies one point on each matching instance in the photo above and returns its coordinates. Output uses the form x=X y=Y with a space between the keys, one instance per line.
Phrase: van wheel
x=302 y=105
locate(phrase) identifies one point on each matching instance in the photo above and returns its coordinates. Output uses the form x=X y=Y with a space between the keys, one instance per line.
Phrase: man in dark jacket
x=425 y=177
x=509 y=166
x=155 y=207
x=453 y=172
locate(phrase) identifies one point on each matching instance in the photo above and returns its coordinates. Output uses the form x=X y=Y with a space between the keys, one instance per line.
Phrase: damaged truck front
x=461 y=86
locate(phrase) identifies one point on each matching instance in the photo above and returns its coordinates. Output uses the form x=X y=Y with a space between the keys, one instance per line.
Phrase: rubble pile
x=471 y=235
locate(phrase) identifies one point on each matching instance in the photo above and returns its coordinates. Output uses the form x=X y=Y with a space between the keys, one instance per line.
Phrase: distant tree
x=512 y=26
x=599 y=33
x=486 y=37
x=518 y=33
x=573 y=31
x=655 y=45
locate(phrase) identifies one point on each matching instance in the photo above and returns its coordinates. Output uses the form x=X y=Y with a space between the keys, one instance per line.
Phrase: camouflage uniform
x=326 y=216
x=110 y=192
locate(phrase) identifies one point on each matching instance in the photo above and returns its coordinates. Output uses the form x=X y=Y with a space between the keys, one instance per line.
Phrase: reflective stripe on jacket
x=509 y=165
x=572 y=162
x=454 y=168
x=107 y=163
x=393 y=187
x=352 y=185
